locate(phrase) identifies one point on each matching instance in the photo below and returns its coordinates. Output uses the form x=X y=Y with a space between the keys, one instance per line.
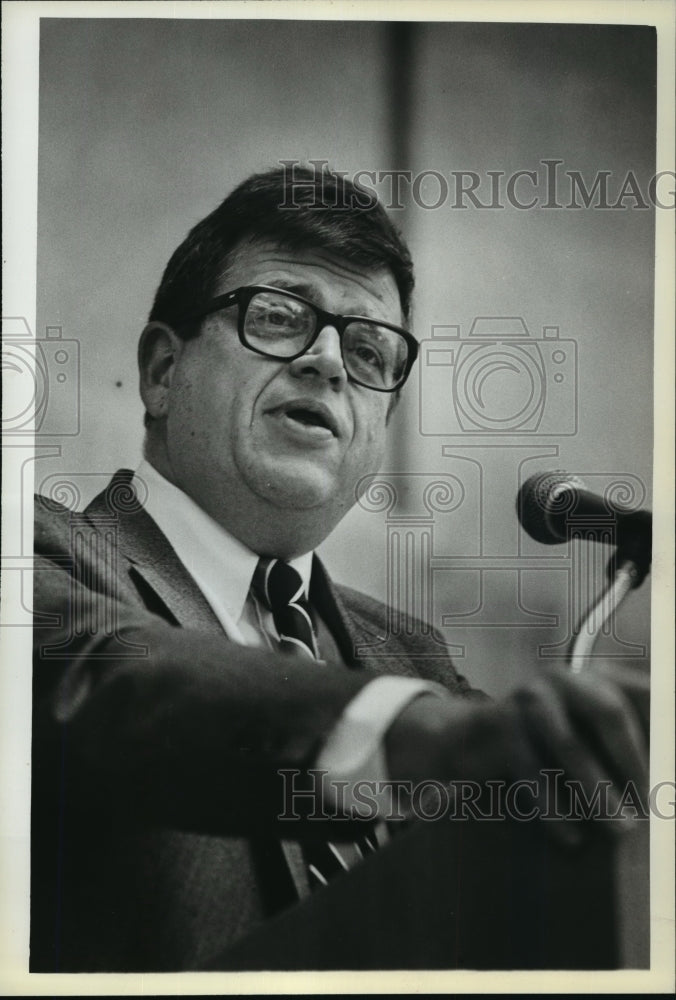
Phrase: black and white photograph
x=338 y=663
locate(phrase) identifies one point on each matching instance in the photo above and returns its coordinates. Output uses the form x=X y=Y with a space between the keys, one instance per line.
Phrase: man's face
x=245 y=431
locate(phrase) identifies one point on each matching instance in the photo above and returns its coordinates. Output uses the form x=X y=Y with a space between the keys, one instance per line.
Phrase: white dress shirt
x=223 y=568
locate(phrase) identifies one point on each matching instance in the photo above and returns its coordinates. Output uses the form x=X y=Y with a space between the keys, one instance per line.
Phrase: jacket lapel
x=153 y=566
x=149 y=556
x=354 y=631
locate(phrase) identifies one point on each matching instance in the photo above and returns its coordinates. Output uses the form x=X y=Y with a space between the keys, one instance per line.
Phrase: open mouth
x=312 y=417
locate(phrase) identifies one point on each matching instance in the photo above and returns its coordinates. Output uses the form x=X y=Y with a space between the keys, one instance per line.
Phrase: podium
x=462 y=894
x=477 y=894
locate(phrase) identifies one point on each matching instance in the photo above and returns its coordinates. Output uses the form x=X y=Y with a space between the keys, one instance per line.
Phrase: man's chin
x=298 y=486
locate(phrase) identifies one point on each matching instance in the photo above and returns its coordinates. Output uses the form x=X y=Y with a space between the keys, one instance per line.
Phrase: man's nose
x=323 y=359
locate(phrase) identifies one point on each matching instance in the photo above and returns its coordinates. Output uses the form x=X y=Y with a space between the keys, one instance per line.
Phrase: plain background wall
x=146 y=125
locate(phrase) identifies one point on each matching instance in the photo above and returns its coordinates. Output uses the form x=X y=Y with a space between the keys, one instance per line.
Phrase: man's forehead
x=305 y=271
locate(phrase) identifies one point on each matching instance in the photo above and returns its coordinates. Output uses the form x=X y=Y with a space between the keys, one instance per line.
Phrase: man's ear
x=158 y=351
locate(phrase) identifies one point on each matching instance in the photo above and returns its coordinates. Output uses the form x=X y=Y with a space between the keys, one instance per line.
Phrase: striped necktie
x=280 y=587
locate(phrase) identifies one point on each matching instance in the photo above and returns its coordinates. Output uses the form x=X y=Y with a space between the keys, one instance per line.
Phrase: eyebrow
x=308 y=291
x=287 y=285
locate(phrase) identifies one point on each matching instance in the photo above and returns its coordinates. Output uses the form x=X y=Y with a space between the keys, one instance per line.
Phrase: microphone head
x=542 y=503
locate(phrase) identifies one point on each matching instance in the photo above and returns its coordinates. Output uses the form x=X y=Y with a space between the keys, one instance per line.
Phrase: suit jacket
x=157 y=742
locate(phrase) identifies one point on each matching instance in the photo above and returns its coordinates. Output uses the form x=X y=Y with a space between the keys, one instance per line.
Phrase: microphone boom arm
x=625 y=575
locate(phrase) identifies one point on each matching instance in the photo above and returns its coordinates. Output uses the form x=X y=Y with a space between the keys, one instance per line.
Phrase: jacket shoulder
x=51 y=525
x=53 y=521
x=424 y=645
x=378 y=614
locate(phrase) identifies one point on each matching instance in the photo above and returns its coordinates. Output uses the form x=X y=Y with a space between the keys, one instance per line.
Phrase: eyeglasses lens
x=374 y=355
x=279 y=325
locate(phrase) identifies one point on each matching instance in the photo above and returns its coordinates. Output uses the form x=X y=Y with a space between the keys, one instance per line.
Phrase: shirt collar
x=219 y=563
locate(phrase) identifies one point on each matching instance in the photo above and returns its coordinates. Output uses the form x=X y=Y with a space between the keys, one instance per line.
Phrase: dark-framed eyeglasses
x=283 y=325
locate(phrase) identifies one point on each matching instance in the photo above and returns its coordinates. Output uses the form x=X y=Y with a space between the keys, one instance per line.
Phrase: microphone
x=549 y=504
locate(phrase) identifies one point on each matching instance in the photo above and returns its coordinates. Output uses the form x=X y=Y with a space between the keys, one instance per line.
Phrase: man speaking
x=190 y=648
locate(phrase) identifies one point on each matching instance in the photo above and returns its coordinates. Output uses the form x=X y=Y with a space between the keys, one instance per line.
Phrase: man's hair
x=299 y=209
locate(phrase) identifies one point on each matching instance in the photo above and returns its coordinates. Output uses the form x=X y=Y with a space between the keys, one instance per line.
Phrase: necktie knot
x=277 y=584
x=280 y=587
